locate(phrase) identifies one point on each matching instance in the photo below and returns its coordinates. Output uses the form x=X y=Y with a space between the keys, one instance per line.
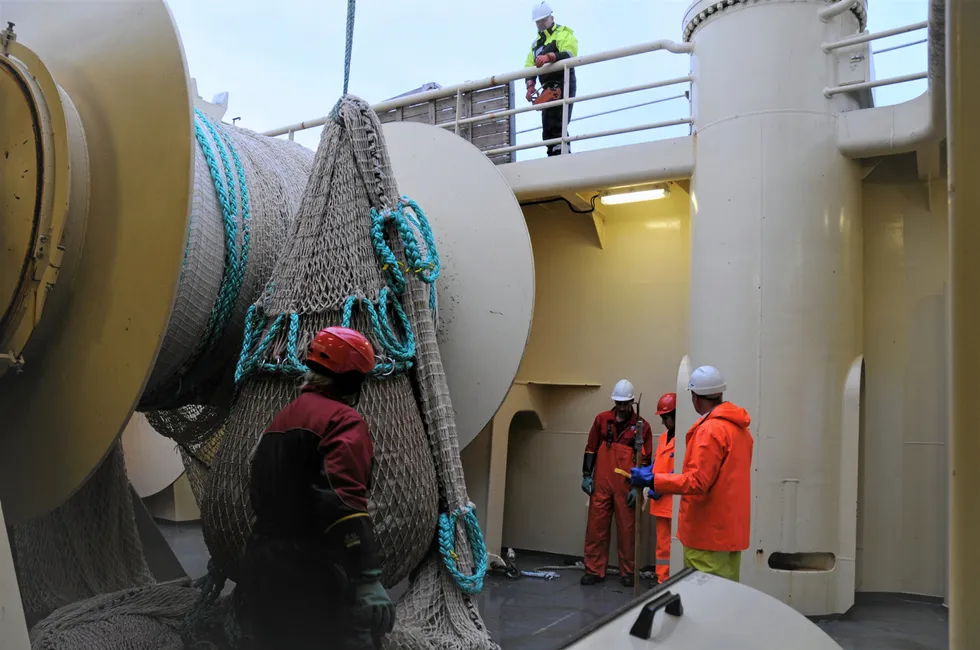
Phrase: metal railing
x=868 y=37
x=565 y=66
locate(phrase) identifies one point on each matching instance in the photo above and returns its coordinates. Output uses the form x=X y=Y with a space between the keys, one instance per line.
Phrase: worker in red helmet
x=609 y=456
x=311 y=572
x=661 y=507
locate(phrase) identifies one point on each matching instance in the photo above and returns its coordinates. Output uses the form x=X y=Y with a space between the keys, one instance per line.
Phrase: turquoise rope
x=469 y=584
x=235 y=260
x=250 y=362
x=399 y=354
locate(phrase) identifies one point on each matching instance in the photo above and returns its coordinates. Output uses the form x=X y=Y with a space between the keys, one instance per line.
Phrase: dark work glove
x=372 y=606
x=631 y=499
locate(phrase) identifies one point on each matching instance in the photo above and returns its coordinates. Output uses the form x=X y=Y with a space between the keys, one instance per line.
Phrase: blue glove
x=655 y=496
x=642 y=476
x=373 y=608
x=631 y=498
x=588 y=485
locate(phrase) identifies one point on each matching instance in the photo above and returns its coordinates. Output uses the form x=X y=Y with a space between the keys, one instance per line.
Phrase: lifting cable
x=350 y=41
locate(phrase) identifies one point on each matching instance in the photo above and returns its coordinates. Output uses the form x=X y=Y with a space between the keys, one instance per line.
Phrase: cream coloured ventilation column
x=776 y=274
x=963 y=100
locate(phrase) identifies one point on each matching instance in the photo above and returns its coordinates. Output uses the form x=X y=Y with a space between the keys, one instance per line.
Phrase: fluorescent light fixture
x=633 y=196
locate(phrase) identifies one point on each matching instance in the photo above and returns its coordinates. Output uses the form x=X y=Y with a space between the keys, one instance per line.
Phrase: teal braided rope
x=398 y=354
x=426 y=266
x=256 y=345
x=406 y=214
x=469 y=584
x=231 y=281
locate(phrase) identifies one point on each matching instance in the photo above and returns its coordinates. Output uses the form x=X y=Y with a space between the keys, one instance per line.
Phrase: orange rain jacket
x=716 y=482
x=663 y=463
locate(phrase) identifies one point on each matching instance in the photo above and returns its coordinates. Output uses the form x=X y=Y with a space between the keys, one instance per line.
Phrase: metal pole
x=867 y=37
x=566 y=89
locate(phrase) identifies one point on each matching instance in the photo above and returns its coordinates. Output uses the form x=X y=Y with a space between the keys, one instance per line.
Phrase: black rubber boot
x=590 y=579
x=627 y=580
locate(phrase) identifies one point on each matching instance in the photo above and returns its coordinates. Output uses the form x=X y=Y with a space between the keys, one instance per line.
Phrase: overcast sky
x=283 y=62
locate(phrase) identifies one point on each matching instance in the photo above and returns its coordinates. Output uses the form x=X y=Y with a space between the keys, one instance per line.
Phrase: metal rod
x=614 y=110
x=898 y=47
x=869 y=36
x=877 y=83
x=499 y=80
x=836 y=9
x=589 y=136
x=486 y=117
x=564 y=112
x=459 y=108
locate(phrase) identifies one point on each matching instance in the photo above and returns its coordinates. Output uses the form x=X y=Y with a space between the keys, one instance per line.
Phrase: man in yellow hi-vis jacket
x=553 y=43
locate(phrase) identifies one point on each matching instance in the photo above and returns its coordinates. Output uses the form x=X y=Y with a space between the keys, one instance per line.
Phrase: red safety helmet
x=667 y=403
x=341 y=350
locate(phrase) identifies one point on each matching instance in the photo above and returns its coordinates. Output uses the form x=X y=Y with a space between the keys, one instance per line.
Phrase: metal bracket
x=7 y=37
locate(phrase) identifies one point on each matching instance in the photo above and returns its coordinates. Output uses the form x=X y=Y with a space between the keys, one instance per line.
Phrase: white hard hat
x=622 y=391
x=541 y=10
x=706 y=380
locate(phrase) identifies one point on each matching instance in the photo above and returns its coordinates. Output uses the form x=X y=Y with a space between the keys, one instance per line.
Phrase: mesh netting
x=327 y=260
x=189 y=391
x=61 y=557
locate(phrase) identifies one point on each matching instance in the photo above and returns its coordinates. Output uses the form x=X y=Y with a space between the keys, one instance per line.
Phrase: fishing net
x=342 y=265
x=89 y=546
x=356 y=254
x=60 y=556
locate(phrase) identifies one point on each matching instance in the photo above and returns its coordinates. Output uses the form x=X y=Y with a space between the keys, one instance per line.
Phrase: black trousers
x=292 y=595
x=551 y=119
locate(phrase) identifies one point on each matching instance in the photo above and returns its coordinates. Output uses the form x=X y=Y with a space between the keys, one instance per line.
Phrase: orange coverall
x=715 y=483
x=612 y=444
x=663 y=508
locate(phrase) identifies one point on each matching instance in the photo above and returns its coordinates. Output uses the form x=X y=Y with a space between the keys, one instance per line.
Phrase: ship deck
x=537 y=614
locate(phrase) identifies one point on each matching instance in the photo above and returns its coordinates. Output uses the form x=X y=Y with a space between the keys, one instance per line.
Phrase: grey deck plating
x=535 y=614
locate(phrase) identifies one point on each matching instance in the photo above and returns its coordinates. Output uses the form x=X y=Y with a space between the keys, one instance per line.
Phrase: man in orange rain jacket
x=609 y=455
x=716 y=482
x=661 y=507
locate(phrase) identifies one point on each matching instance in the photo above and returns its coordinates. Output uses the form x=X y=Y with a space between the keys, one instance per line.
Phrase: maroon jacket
x=310 y=477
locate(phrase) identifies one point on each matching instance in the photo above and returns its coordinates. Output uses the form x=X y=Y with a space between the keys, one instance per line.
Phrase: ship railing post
x=564 y=111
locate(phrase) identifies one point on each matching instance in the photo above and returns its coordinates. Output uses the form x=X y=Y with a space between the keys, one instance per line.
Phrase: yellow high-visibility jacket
x=558 y=39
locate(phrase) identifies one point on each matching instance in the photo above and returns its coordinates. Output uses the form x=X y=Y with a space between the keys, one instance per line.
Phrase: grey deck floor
x=533 y=614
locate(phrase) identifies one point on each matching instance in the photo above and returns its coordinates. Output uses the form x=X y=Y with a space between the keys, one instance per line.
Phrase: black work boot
x=590 y=579
x=627 y=580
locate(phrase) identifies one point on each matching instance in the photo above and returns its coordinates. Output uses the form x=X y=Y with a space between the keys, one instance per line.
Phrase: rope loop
x=468 y=584
x=257 y=344
x=395 y=354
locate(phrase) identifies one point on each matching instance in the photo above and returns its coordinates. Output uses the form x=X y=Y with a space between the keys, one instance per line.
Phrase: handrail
x=868 y=37
x=900 y=46
x=836 y=9
x=589 y=136
x=659 y=100
x=877 y=83
x=571 y=100
x=497 y=80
